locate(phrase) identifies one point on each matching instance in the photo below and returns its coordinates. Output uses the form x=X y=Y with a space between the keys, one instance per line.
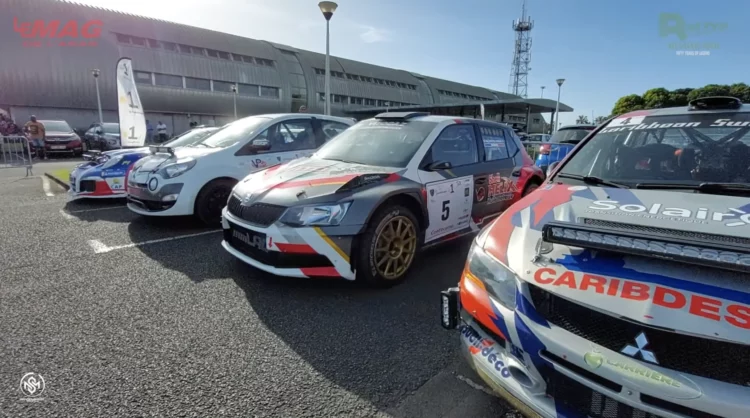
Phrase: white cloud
x=372 y=34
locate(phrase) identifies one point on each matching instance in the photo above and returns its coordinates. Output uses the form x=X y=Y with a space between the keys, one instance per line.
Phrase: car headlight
x=315 y=215
x=499 y=280
x=112 y=161
x=178 y=168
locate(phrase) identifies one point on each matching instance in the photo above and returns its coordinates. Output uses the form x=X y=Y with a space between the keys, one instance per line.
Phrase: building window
x=153 y=43
x=169 y=46
x=212 y=53
x=247 y=89
x=264 y=62
x=223 y=86
x=536 y=120
x=135 y=40
x=248 y=60
x=167 y=80
x=223 y=55
x=369 y=102
x=322 y=97
x=356 y=101
x=125 y=39
x=269 y=91
x=185 y=48
x=142 y=77
x=197 y=83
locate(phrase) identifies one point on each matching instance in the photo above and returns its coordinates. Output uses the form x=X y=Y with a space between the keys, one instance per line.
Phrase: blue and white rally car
x=103 y=176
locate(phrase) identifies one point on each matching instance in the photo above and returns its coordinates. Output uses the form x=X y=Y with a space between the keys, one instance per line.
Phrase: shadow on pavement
x=379 y=344
x=92 y=210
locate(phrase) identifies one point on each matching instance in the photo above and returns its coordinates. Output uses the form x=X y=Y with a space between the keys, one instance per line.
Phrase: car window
x=456 y=145
x=572 y=136
x=495 y=146
x=192 y=137
x=111 y=128
x=290 y=135
x=378 y=143
x=235 y=132
x=331 y=128
x=682 y=148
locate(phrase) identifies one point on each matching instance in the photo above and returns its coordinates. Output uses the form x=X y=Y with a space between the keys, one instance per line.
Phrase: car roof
x=580 y=126
x=442 y=118
x=684 y=110
x=348 y=121
x=52 y=120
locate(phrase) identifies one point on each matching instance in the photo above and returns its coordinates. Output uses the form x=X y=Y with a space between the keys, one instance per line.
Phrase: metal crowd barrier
x=15 y=152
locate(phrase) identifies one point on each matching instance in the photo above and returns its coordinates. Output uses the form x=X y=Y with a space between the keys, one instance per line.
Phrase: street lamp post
x=328 y=7
x=96 y=73
x=560 y=82
x=543 y=87
x=234 y=97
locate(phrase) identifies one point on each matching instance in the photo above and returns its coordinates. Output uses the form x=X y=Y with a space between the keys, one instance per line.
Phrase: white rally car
x=197 y=179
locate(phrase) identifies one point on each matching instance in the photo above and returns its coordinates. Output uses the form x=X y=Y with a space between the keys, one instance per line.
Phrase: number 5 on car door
x=449 y=206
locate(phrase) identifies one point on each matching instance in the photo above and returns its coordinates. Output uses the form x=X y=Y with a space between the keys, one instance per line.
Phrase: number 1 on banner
x=130 y=99
x=132 y=132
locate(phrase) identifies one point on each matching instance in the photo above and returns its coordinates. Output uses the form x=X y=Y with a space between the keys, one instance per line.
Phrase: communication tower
x=519 y=72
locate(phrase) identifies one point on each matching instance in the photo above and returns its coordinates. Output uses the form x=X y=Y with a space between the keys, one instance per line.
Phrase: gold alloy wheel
x=395 y=247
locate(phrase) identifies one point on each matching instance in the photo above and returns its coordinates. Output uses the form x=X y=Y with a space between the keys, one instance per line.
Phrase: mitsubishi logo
x=641 y=343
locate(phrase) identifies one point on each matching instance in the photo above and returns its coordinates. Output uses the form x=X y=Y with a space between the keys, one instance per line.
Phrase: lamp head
x=560 y=81
x=327 y=7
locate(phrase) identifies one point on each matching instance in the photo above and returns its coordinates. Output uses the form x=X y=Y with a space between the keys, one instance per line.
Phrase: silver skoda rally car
x=621 y=287
x=368 y=200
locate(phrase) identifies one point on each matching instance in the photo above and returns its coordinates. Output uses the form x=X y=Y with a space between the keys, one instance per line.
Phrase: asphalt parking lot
x=126 y=316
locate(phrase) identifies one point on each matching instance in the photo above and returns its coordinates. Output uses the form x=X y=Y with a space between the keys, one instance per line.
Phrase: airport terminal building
x=186 y=73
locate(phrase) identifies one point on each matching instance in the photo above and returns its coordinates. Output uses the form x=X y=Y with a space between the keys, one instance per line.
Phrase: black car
x=102 y=136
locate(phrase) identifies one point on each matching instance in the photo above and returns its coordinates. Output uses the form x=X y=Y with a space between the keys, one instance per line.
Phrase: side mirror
x=438 y=165
x=552 y=167
x=259 y=145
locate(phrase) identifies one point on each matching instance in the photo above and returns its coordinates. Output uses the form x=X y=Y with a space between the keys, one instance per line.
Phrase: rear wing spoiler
x=161 y=150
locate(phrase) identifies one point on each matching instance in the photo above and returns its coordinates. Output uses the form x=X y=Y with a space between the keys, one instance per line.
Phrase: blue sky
x=604 y=49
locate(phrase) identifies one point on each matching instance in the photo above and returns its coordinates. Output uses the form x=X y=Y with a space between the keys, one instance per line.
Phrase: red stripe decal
x=320 y=272
x=315 y=182
x=295 y=248
x=392 y=177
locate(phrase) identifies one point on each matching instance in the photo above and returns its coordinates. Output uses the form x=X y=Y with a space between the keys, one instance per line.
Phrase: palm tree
x=600 y=119
x=582 y=120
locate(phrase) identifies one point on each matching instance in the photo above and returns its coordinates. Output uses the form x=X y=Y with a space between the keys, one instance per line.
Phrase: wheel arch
x=207 y=184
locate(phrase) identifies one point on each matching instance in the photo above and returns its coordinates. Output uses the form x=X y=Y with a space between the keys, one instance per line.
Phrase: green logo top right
x=682 y=34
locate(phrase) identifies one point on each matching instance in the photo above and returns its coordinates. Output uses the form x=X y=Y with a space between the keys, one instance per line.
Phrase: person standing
x=161 y=130
x=36 y=133
x=149 y=132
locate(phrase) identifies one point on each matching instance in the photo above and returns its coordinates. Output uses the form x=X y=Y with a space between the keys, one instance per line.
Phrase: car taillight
x=544 y=149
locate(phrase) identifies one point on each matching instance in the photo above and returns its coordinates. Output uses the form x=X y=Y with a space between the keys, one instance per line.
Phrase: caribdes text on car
x=105 y=173
x=197 y=179
x=367 y=201
x=59 y=138
x=620 y=288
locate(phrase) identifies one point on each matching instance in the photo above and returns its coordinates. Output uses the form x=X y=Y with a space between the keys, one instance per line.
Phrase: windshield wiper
x=594 y=181
x=701 y=188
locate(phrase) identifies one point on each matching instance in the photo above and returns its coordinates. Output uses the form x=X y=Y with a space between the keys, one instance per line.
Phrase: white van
x=197 y=179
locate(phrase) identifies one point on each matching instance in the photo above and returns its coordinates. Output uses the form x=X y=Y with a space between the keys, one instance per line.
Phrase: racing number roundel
x=449 y=205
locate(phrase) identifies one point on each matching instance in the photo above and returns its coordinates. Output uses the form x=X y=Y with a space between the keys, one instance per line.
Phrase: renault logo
x=640 y=348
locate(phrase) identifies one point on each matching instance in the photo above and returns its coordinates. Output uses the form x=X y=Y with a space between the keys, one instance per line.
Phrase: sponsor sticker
x=485 y=349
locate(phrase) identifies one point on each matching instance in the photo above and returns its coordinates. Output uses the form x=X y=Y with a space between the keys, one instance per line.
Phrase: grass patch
x=62 y=174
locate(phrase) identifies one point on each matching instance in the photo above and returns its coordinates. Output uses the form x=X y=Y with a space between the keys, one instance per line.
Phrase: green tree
x=600 y=119
x=627 y=104
x=740 y=91
x=582 y=120
x=656 y=98
x=709 y=90
x=679 y=97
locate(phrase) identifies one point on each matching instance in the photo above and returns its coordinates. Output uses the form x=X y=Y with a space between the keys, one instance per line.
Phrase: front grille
x=261 y=214
x=674 y=233
x=272 y=258
x=88 y=185
x=581 y=400
x=723 y=361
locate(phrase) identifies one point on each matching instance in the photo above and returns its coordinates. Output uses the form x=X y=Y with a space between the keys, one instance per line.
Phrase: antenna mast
x=519 y=72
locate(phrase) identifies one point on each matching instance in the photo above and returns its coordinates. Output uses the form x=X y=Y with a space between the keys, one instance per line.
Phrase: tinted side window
x=331 y=129
x=290 y=135
x=495 y=147
x=511 y=140
x=456 y=145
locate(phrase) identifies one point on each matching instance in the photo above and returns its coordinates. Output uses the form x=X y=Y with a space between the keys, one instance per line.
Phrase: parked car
x=538 y=137
x=560 y=143
x=60 y=138
x=610 y=291
x=197 y=179
x=103 y=136
x=365 y=204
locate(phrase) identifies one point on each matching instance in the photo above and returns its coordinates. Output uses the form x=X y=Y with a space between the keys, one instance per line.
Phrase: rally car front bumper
x=84 y=184
x=290 y=251
x=544 y=370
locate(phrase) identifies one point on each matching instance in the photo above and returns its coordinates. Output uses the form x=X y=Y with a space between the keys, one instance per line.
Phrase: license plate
x=57 y=147
x=136 y=192
x=250 y=240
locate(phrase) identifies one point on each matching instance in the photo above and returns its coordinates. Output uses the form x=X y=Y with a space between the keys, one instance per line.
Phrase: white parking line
x=476 y=386
x=99 y=247
x=46 y=187
x=66 y=215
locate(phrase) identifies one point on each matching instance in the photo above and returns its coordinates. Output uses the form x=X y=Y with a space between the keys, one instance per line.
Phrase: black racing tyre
x=530 y=187
x=389 y=247
x=211 y=200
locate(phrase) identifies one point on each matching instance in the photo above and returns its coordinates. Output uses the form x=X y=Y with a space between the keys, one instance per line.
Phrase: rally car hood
x=308 y=179
x=125 y=151
x=676 y=295
x=153 y=161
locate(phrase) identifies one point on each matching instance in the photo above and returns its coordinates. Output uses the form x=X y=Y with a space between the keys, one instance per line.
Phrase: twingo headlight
x=112 y=161
x=177 y=168
x=499 y=280
x=315 y=215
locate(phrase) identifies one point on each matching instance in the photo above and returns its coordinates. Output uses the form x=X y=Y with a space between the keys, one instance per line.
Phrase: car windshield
x=190 y=137
x=378 y=143
x=234 y=132
x=111 y=128
x=570 y=135
x=683 y=149
x=56 y=126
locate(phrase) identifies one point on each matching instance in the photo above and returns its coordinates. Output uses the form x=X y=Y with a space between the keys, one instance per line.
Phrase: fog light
x=169 y=198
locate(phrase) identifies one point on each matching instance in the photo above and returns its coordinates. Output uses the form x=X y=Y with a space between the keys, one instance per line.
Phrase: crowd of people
x=8 y=127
